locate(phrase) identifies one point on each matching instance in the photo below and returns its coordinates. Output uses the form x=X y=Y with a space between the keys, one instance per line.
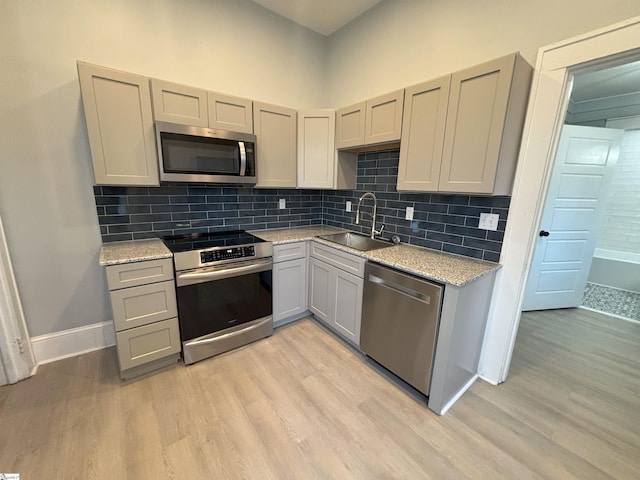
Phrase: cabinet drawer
x=136 y=306
x=342 y=260
x=145 y=344
x=289 y=251
x=139 y=273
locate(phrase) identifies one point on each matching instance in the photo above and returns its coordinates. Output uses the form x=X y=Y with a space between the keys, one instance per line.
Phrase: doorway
x=590 y=225
x=555 y=69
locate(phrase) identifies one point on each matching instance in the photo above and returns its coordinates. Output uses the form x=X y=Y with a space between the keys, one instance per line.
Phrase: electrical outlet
x=348 y=208
x=282 y=203
x=409 y=214
x=488 y=221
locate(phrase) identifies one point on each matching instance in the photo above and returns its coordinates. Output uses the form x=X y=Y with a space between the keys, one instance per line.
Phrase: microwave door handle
x=243 y=159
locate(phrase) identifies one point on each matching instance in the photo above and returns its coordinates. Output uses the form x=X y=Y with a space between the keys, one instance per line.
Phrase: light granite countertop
x=442 y=267
x=431 y=264
x=115 y=253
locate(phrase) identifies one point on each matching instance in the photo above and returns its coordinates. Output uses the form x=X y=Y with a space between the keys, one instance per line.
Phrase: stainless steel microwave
x=197 y=154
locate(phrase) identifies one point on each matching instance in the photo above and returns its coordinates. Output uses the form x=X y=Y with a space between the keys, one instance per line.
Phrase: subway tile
x=131 y=227
x=465 y=231
x=114 y=219
x=468 y=211
x=482 y=244
x=106 y=190
x=120 y=237
x=491 y=256
x=497 y=202
x=151 y=217
x=458 y=250
x=147 y=199
x=169 y=208
x=450 y=199
x=443 y=237
x=105 y=200
x=188 y=216
x=125 y=209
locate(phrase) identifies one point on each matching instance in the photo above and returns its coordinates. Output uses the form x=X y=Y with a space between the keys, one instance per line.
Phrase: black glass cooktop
x=198 y=241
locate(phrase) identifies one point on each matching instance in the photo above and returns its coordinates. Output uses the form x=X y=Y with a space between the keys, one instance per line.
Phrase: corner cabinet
x=143 y=303
x=275 y=129
x=289 y=282
x=483 y=120
x=336 y=282
x=119 y=117
x=376 y=121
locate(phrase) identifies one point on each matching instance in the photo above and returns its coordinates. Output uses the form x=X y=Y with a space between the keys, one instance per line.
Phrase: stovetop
x=201 y=241
x=196 y=250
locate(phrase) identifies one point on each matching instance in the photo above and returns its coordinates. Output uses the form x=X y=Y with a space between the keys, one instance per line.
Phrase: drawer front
x=289 y=251
x=136 y=306
x=139 y=273
x=145 y=344
x=342 y=260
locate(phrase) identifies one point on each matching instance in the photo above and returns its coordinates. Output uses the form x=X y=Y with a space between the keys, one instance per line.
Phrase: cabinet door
x=177 y=103
x=316 y=151
x=348 y=305
x=144 y=304
x=477 y=111
x=230 y=113
x=145 y=344
x=384 y=118
x=321 y=299
x=425 y=115
x=289 y=288
x=117 y=109
x=275 y=129
x=350 y=125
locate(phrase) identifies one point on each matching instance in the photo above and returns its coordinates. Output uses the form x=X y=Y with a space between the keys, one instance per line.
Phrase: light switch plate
x=488 y=221
x=282 y=203
x=348 y=208
x=409 y=214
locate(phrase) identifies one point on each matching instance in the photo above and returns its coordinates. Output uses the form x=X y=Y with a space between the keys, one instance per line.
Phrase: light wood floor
x=303 y=405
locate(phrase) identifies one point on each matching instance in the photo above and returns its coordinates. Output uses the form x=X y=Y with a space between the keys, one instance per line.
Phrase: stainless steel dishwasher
x=400 y=316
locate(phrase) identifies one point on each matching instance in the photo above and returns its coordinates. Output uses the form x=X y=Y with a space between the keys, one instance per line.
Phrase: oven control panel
x=227 y=254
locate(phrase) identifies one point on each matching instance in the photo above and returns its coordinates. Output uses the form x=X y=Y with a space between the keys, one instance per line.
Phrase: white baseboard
x=69 y=343
x=488 y=380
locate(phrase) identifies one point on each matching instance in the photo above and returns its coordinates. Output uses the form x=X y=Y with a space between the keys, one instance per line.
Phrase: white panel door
x=571 y=217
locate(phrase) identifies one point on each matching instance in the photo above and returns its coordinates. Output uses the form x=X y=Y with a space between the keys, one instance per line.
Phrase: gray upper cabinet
x=425 y=116
x=177 y=103
x=376 y=121
x=230 y=113
x=119 y=117
x=186 y=105
x=383 y=119
x=316 y=152
x=275 y=129
x=350 y=124
x=461 y=133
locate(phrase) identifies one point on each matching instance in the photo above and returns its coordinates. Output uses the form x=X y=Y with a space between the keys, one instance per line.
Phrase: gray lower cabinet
x=335 y=290
x=143 y=303
x=289 y=282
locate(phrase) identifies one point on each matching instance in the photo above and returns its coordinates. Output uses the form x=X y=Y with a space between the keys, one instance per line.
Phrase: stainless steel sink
x=357 y=241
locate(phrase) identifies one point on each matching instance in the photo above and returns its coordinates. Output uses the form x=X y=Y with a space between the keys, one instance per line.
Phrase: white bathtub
x=616 y=269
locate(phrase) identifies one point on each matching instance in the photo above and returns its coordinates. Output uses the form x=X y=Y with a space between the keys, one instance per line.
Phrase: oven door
x=220 y=308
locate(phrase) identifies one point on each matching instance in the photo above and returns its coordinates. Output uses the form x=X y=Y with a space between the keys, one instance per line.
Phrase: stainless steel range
x=223 y=286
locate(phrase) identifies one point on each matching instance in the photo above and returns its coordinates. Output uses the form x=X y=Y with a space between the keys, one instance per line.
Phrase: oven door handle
x=207 y=275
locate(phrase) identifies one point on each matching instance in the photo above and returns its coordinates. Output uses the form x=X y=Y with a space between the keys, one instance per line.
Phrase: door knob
x=544 y=233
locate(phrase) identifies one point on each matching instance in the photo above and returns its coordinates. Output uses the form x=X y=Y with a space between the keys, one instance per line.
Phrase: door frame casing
x=555 y=67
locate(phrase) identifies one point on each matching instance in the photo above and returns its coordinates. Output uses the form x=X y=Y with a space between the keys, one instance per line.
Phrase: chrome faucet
x=374 y=232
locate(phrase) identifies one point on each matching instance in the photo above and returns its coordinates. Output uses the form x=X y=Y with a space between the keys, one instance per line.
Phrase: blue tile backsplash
x=441 y=222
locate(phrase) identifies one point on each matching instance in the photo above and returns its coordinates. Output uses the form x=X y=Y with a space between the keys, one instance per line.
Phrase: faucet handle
x=379 y=232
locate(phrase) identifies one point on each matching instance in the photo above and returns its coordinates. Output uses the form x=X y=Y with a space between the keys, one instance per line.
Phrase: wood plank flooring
x=303 y=405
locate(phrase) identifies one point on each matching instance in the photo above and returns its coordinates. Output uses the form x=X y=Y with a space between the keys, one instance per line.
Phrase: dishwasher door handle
x=400 y=289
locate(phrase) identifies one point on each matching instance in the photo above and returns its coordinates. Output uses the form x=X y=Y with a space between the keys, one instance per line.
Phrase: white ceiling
x=322 y=16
